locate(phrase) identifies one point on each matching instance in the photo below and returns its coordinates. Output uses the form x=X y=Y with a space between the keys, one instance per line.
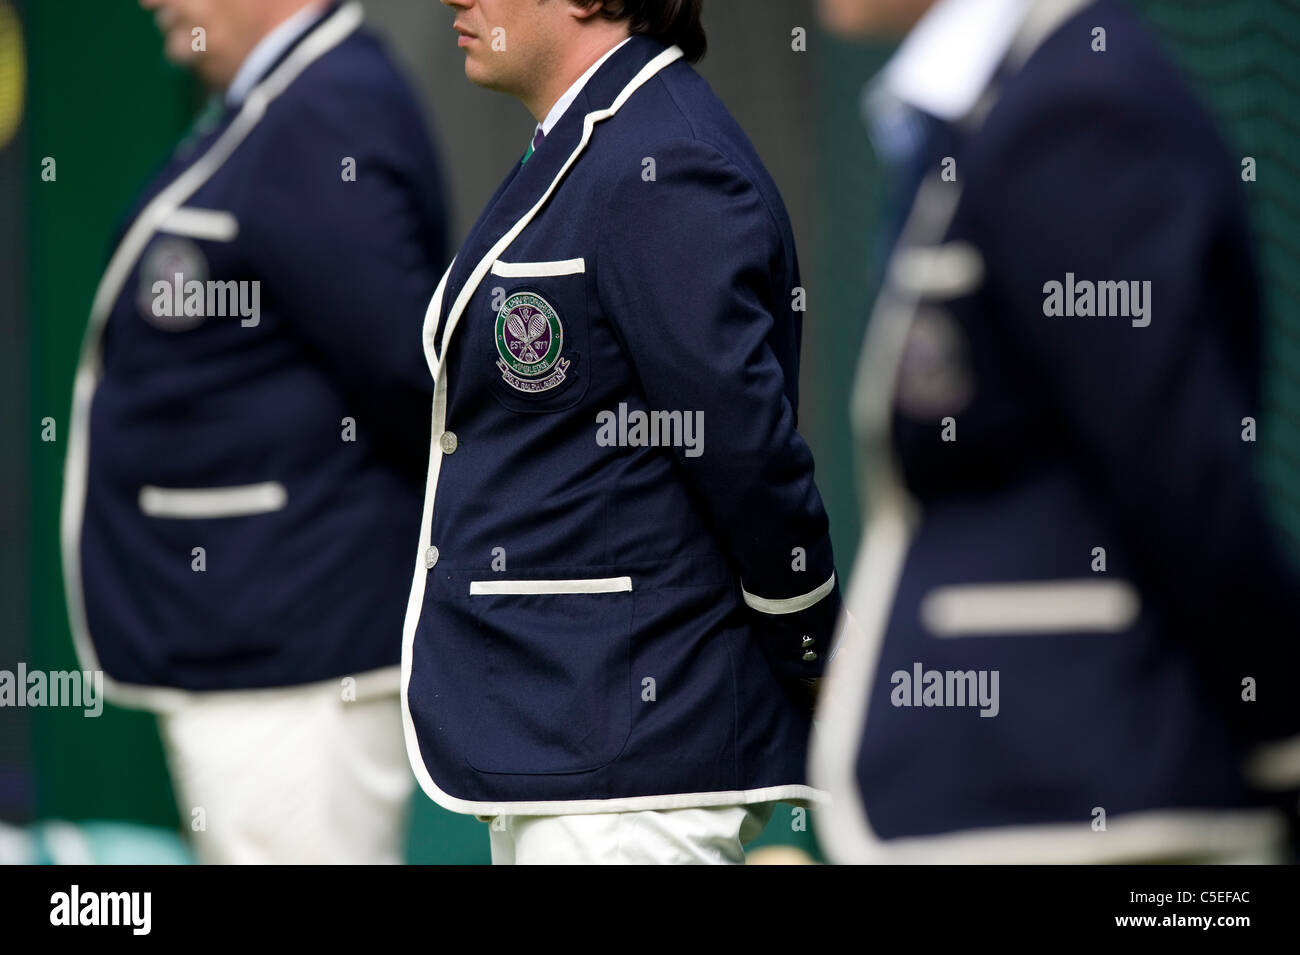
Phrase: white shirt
x=269 y=49
x=564 y=102
x=948 y=58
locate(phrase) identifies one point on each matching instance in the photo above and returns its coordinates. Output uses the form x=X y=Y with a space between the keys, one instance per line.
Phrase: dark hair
x=672 y=22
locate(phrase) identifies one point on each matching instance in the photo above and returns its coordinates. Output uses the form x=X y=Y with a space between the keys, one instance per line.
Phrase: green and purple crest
x=529 y=338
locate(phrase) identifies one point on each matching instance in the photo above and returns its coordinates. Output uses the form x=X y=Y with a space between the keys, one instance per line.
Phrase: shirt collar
x=269 y=49
x=564 y=102
x=948 y=58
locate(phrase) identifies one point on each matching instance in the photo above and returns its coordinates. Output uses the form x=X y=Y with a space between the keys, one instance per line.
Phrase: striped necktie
x=532 y=147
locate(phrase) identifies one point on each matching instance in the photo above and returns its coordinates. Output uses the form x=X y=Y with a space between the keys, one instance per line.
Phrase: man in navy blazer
x=241 y=489
x=1076 y=628
x=624 y=581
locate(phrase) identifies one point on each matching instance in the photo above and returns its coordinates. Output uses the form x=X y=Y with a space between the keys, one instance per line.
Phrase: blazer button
x=809 y=657
x=449 y=442
x=808 y=641
x=430 y=558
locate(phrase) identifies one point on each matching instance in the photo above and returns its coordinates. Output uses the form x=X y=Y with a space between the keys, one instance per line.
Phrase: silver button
x=430 y=558
x=449 y=442
x=808 y=641
x=809 y=657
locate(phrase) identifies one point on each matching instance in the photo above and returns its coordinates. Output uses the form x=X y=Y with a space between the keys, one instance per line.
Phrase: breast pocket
x=192 y=245
x=536 y=344
x=555 y=665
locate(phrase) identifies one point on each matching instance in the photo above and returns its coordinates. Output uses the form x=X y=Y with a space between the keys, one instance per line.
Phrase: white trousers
x=705 y=836
x=292 y=775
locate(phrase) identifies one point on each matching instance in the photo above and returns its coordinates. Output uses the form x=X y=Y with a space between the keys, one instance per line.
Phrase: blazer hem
x=1133 y=837
x=564 y=807
x=371 y=684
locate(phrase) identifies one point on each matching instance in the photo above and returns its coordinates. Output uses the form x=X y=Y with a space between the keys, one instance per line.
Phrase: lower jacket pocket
x=554 y=659
x=213 y=502
x=1035 y=607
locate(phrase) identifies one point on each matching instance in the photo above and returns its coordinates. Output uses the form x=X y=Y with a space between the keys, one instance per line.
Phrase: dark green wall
x=104 y=105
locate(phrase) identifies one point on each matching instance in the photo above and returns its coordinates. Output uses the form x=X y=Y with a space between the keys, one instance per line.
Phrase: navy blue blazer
x=625 y=573
x=1065 y=500
x=279 y=442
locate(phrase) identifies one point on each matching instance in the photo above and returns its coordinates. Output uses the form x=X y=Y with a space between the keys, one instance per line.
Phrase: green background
x=107 y=109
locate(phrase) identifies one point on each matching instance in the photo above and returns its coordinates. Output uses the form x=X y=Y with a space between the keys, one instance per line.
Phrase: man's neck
x=277 y=16
x=596 y=42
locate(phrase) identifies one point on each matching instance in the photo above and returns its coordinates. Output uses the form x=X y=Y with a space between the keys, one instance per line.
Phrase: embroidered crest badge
x=529 y=338
x=172 y=262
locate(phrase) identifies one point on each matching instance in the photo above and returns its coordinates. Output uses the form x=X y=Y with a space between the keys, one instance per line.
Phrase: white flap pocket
x=588 y=585
x=1031 y=607
x=207 y=502
x=211 y=224
x=532 y=270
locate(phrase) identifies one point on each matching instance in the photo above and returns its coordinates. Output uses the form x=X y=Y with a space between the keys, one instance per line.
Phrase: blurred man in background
x=1077 y=630
x=243 y=481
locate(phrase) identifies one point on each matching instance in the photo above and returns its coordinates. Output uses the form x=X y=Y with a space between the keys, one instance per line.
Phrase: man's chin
x=480 y=75
x=179 y=50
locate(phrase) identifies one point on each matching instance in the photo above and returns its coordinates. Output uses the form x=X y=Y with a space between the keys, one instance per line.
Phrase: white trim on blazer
x=588 y=585
x=1030 y=607
x=212 y=224
x=787 y=604
x=528 y=270
x=212 y=502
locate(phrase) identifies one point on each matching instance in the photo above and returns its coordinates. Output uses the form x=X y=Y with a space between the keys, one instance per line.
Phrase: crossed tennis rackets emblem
x=529 y=340
x=527 y=325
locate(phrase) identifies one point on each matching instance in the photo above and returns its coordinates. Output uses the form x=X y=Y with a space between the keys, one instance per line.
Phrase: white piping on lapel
x=323 y=38
x=668 y=56
x=429 y=330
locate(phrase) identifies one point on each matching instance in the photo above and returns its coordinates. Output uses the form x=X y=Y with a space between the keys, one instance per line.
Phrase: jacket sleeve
x=1156 y=404
x=352 y=261
x=685 y=270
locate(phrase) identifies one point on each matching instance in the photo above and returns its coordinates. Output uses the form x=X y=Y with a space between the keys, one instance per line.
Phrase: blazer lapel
x=522 y=196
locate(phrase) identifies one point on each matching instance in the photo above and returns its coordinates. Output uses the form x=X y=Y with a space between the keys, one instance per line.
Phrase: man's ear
x=585 y=9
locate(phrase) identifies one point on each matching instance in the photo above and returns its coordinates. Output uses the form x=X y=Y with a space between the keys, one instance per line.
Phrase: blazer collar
x=271 y=50
x=599 y=93
x=619 y=70
x=526 y=184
